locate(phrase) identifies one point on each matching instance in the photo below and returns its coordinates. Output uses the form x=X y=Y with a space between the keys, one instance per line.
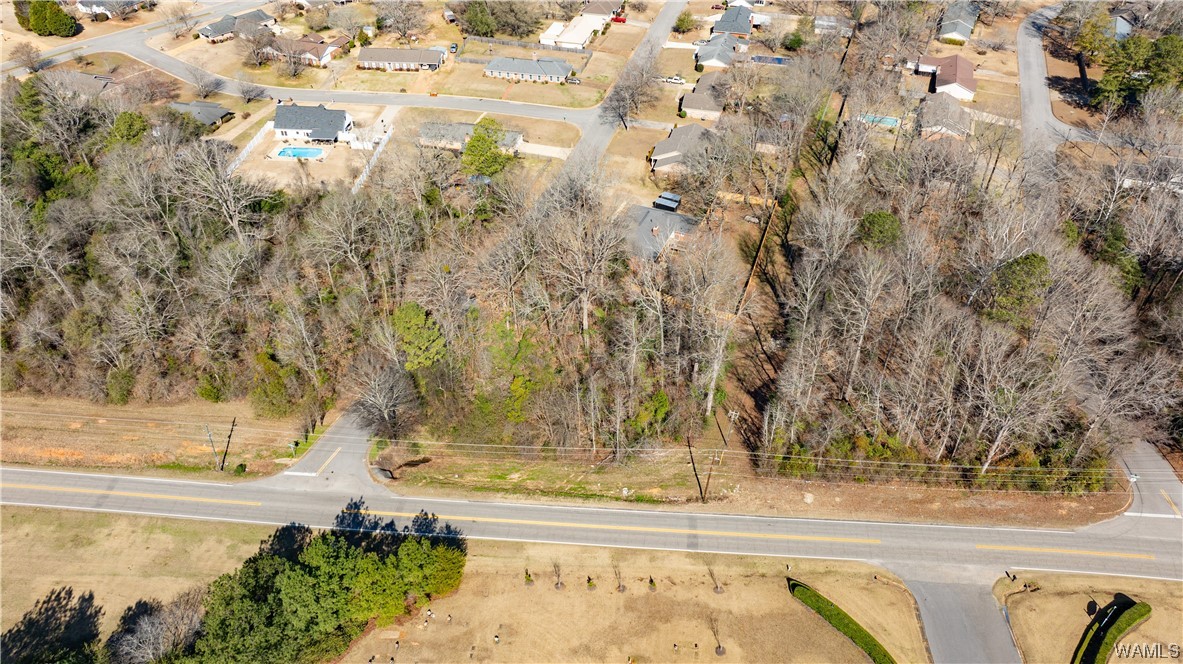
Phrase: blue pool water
x=302 y=153
x=881 y=120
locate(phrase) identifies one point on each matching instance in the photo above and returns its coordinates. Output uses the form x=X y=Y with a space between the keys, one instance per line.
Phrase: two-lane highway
x=1127 y=545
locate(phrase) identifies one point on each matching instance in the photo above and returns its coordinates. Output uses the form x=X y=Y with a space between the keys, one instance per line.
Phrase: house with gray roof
x=313 y=123
x=400 y=59
x=205 y=112
x=941 y=116
x=720 y=51
x=546 y=70
x=667 y=154
x=701 y=106
x=455 y=135
x=734 y=21
x=823 y=25
x=654 y=231
x=958 y=21
x=229 y=26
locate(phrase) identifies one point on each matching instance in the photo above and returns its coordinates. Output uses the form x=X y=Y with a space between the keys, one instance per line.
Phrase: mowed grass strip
x=841 y=622
x=1109 y=633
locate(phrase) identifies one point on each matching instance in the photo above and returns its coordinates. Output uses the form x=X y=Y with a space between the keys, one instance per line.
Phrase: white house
x=548 y=37
x=579 y=32
x=399 y=59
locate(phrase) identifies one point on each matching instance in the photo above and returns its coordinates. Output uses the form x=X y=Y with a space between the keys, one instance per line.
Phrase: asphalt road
x=949 y=569
x=1042 y=131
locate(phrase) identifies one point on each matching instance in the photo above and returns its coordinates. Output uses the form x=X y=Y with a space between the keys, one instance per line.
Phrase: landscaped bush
x=841 y=622
x=1108 y=633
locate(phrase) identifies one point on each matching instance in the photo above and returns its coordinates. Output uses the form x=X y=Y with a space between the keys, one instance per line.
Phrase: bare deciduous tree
x=403 y=18
x=26 y=55
x=205 y=82
x=634 y=89
x=179 y=18
x=250 y=91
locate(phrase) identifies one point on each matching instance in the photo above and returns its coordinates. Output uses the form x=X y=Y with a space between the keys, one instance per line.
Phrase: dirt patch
x=122 y=559
x=1070 y=96
x=53 y=431
x=534 y=623
x=1048 y=623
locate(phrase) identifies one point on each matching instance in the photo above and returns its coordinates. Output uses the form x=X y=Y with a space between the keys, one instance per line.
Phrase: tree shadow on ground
x=59 y=627
x=1106 y=615
x=1075 y=92
x=287 y=542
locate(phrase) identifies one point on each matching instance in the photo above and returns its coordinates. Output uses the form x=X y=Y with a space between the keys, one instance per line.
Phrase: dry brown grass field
x=52 y=431
x=757 y=619
x=123 y=559
x=1048 y=623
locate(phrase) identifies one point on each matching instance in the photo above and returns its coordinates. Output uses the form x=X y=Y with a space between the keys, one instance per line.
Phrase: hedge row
x=841 y=622
x=1108 y=634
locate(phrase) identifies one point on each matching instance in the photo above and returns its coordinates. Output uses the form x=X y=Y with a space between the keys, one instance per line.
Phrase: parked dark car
x=718 y=7
x=453 y=47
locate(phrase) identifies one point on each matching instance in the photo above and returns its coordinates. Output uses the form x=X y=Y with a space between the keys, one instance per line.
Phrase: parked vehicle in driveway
x=701 y=42
x=571 y=80
x=718 y=7
x=619 y=19
x=676 y=80
x=453 y=47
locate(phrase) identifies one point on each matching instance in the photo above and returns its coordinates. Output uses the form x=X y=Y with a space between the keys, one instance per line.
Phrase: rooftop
x=737 y=20
x=943 y=111
x=418 y=56
x=720 y=48
x=680 y=141
x=654 y=230
x=324 y=123
x=700 y=101
x=525 y=67
x=959 y=18
x=458 y=133
x=205 y=112
x=952 y=69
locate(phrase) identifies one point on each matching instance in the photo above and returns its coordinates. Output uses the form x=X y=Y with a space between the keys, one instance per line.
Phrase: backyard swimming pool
x=881 y=120
x=302 y=153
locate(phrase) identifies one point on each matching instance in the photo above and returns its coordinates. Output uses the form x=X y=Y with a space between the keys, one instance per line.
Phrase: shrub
x=681 y=114
x=841 y=622
x=698 y=67
x=1102 y=635
x=120 y=383
x=793 y=41
x=685 y=22
x=879 y=229
x=240 y=469
x=196 y=36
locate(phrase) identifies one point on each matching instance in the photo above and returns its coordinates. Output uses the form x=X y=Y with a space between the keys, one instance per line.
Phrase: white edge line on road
x=4 y=469
x=1154 y=516
x=299 y=473
x=1128 y=576
x=613 y=510
x=467 y=537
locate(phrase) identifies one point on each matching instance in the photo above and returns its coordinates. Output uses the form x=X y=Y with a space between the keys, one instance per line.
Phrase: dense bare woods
x=914 y=305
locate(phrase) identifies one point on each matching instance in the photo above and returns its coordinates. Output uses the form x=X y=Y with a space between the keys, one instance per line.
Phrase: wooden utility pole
x=701 y=495
x=227 y=450
x=210 y=436
x=715 y=460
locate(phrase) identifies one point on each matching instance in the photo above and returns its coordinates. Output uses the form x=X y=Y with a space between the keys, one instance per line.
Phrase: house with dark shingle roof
x=229 y=26
x=310 y=49
x=953 y=74
x=941 y=116
x=958 y=21
x=546 y=70
x=667 y=154
x=313 y=123
x=720 y=51
x=205 y=112
x=734 y=21
x=455 y=135
x=399 y=59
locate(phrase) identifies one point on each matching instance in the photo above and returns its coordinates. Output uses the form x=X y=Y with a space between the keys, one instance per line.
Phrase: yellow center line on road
x=128 y=494
x=1070 y=552
x=328 y=461
x=1170 y=502
x=636 y=529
